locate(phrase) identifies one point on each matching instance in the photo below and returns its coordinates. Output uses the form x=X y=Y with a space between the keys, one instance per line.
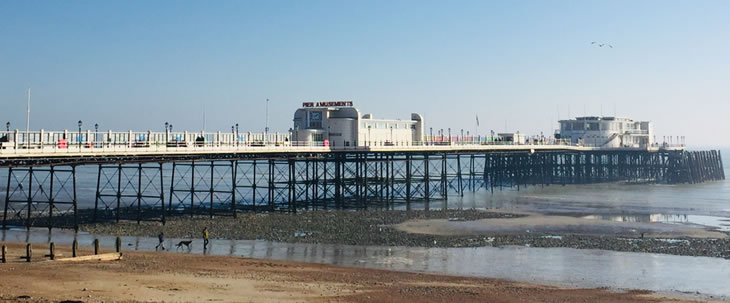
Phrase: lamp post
x=236 y=134
x=369 y=138
x=449 y=135
x=391 y=135
x=96 y=133
x=167 y=132
x=7 y=126
x=430 y=134
x=78 y=138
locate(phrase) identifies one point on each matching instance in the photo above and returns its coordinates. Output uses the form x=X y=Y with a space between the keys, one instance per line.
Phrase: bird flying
x=601 y=44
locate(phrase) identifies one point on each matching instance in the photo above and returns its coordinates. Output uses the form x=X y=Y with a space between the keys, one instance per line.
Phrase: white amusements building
x=607 y=132
x=338 y=124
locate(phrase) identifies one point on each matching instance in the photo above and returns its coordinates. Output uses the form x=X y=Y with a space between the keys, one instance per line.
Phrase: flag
x=477 y=120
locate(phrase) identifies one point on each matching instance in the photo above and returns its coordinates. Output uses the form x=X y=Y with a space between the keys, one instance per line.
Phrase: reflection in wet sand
x=554 y=266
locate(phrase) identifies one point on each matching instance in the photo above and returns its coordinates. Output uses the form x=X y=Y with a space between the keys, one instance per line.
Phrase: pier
x=223 y=174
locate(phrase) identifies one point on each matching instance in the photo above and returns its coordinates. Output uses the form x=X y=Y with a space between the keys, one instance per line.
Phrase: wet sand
x=531 y=222
x=452 y=228
x=150 y=276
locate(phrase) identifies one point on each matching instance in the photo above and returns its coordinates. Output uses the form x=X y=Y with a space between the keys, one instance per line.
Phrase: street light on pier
x=79 y=136
x=96 y=132
x=369 y=138
x=430 y=134
x=7 y=126
x=167 y=132
x=236 y=133
x=391 y=134
x=449 y=135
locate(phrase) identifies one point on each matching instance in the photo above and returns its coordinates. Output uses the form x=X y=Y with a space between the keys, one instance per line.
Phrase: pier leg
x=234 y=172
x=7 y=198
x=98 y=194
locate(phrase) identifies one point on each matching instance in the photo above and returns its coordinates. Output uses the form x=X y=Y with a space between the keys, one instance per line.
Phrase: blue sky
x=137 y=64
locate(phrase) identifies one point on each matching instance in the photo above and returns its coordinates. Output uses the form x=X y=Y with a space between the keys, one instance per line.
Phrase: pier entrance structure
x=338 y=123
x=608 y=132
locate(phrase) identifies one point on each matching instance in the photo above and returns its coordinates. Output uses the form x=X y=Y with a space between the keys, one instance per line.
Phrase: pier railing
x=89 y=142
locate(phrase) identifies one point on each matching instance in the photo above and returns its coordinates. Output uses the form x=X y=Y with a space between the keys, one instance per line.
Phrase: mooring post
x=52 y=251
x=28 y=252
x=4 y=257
x=96 y=246
x=74 y=248
x=118 y=245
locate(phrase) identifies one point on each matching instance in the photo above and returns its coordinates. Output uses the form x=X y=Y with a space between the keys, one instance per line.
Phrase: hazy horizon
x=519 y=66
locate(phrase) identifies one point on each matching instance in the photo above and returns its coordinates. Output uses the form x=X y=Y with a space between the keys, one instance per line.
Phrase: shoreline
x=157 y=276
x=450 y=228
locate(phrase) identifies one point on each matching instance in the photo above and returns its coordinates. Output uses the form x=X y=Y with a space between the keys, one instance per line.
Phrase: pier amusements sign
x=327 y=104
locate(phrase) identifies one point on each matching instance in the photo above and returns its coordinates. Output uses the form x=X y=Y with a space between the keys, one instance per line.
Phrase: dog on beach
x=186 y=243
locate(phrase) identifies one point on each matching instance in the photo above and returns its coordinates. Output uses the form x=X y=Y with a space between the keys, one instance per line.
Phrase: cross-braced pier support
x=132 y=191
x=41 y=196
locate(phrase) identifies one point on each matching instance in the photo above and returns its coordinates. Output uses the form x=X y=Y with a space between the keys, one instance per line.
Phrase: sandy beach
x=173 y=277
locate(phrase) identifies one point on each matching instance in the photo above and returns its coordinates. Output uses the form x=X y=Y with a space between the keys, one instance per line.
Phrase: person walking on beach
x=161 y=238
x=205 y=238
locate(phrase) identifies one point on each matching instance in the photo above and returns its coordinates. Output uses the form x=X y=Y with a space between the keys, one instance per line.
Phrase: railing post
x=41 y=139
x=15 y=142
x=129 y=139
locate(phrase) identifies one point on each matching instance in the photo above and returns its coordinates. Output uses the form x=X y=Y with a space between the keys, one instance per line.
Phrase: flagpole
x=27 y=121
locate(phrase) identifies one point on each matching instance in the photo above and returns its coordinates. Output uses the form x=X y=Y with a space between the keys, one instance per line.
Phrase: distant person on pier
x=205 y=238
x=161 y=238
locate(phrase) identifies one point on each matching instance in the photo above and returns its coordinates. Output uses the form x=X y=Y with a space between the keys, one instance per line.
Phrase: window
x=315 y=120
